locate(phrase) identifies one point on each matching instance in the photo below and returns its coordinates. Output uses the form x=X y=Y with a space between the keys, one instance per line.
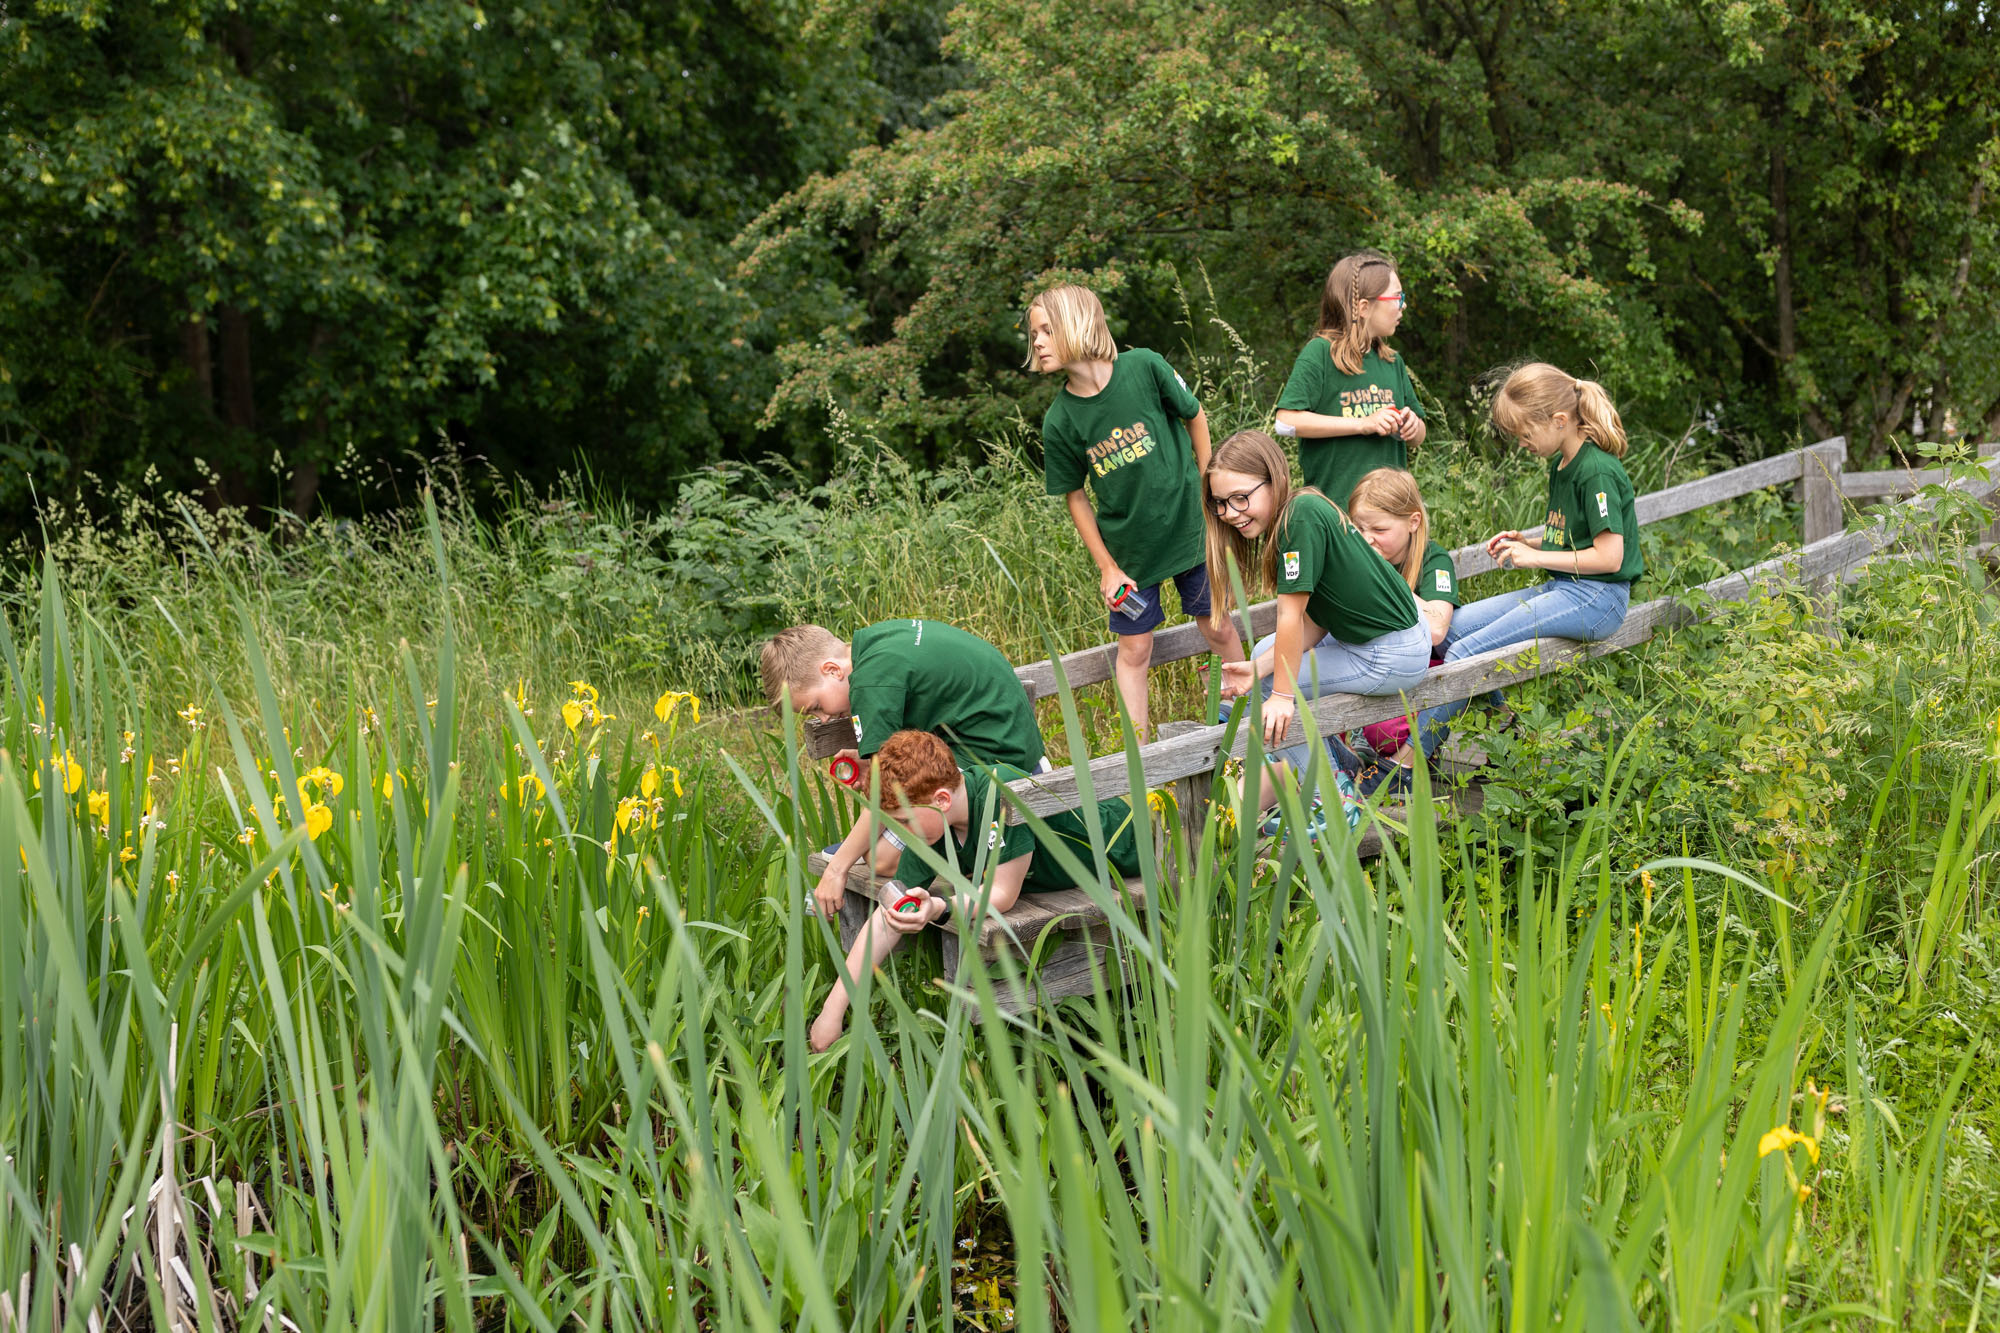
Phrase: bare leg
x=877 y=938
x=1223 y=642
x=1135 y=656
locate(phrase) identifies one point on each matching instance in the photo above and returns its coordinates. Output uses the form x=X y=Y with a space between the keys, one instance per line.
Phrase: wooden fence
x=1189 y=753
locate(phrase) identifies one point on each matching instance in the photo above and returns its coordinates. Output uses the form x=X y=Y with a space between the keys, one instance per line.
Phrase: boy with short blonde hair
x=902 y=674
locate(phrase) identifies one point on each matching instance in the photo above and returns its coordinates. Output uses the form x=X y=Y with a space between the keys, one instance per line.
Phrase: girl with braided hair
x=1350 y=398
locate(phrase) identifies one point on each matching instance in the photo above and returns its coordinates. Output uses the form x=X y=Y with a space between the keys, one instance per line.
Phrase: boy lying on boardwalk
x=959 y=814
x=921 y=674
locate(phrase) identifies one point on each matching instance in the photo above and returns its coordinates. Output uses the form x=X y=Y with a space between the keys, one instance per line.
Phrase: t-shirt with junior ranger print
x=1353 y=593
x=1590 y=496
x=991 y=841
x=1130 y=442
x=1332 y=465
x=930 y=676
x=1437 y=579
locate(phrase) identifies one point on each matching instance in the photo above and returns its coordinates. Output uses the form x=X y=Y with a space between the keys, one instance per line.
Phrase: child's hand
x=1515 y=554
x=825 y=1030
x=1237 y=679
x=1110 y=581
x=1409 y=424
x=1279 y=710
x=909 y=923
x=1493 y=542
x=829 y=894
x=1383 y=421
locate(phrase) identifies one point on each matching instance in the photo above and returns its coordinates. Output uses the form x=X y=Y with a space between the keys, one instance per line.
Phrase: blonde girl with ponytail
x=1589 y=542
x=1347 y=622
x=1350 y=397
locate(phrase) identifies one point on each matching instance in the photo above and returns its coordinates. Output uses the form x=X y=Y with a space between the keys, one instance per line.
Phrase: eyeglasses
x=1237 y=503
x=1400 y=298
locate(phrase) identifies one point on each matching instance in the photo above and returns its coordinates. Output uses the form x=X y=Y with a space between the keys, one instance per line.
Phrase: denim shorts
x=1191 y=584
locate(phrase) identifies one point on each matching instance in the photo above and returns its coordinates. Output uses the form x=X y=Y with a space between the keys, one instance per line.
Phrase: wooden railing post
x=1825 y=516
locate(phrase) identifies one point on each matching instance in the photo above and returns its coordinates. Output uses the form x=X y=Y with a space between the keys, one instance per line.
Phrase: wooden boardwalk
x=1187 y=754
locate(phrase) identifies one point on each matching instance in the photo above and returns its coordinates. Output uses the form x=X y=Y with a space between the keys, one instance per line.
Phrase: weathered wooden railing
x=1192 y=752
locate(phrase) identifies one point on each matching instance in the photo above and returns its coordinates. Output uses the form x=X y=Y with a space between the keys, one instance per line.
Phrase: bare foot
x=825 y=1030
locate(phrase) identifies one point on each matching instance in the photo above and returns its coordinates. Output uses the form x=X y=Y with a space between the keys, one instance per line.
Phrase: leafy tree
x=1773 y=206
x=243 y=238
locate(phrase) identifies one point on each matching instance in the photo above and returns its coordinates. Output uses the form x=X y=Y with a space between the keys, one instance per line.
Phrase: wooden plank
x=1199 y=751
x=1675 y=500
x=1820 y=480
x=1088 y=666
x=1175 y=643
x=1069 y=968
x=1898 y=482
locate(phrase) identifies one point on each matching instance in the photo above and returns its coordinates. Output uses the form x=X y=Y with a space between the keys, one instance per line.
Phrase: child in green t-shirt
x=1389 y=509
x=1589 y=542
x=959 y=814
x=1349 y=397
x=1128 y=426
x=1347 y=623
x=901 y=674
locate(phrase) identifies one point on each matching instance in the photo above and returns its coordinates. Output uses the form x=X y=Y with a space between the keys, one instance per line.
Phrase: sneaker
x=1387 y=778
x=1274 y=823
x=1350 y=798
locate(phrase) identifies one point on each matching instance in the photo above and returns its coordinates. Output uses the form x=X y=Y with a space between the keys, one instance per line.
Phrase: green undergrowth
x=391 y=946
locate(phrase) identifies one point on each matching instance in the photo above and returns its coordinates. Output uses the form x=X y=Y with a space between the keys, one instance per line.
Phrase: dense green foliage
x=519 y=1036
x=274 y=248
x=1770 y=214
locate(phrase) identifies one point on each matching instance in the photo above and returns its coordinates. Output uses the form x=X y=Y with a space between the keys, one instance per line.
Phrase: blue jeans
x=1388 y=664
x=1565 y=607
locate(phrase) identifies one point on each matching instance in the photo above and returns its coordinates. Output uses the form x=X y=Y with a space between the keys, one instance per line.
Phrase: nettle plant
x=1774 y=711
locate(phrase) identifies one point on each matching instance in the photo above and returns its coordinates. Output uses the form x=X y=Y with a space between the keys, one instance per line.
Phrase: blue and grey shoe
x=1350 y=799
x=1315 y=822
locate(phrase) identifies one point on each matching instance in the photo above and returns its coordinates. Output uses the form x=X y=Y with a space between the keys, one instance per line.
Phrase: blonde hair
x=910 y=766
x=791 y=658
x=1253 y=454
x=1534 y=393
x=1392 y=491
x=1076 y=319
x=1361 y=276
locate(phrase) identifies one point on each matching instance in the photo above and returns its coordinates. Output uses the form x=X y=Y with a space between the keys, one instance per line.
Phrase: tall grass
x=516 y=1040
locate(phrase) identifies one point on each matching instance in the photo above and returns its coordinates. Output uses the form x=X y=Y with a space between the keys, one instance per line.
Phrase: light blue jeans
x=1565 y=607
x=1388 y=664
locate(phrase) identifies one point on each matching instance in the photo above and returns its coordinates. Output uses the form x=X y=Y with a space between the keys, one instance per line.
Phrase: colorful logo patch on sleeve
x=992 y=835
x=1291 y=564
x=1444 y=580
x=1603 y=505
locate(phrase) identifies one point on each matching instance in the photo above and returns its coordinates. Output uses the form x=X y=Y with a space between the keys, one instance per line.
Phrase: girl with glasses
x=1347 y=622
x=1350 y=397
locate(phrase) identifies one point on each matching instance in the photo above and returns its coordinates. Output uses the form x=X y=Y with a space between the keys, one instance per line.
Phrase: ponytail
x=1599 y=419
x=1537 y=391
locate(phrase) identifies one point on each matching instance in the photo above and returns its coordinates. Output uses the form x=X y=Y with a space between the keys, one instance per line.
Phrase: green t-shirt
x=1334 y=464
x=1354 y=594
x=991 y=841
x=1590 y=496
x=925 y=675
x=1130 y=442
x=1437 y=581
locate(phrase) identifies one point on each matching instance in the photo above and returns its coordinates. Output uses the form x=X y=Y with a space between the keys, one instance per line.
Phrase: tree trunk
x=239 y=402
x=1781 y=236
x=306 y=463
